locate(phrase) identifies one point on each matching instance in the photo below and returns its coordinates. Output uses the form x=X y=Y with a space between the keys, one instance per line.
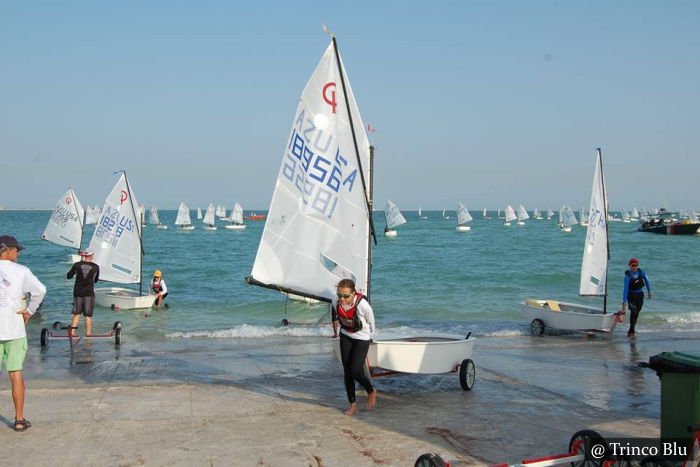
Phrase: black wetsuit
x=87 y=274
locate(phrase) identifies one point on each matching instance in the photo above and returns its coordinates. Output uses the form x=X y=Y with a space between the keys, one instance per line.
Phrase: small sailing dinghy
x=65 y=226
x=393 y=218
x=463 y=217
x=154 y=219
x=567 y=218
x=444 y=215
x=209 y=218
x=484 y=214
x=319 y=228
x=594 y=283
x=118 y=246
x=199 y=213
x=510 y=216
x=183 y=221
x=236 y=218
x=522 y=215
x=536 y=214
x=420 y=214
x=549 y=213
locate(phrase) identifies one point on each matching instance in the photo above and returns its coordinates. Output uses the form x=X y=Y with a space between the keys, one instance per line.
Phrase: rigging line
x=354 y=140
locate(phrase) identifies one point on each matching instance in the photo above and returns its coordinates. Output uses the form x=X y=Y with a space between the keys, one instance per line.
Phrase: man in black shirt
x=86 y=275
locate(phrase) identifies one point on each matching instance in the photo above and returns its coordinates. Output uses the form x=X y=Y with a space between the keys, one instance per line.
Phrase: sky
x=486 y=103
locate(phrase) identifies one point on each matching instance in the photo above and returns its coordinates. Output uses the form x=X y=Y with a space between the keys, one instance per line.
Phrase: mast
x=357 y=150
x=138 y=228
x=81 y=219
x=607 y=234
x=369 y=237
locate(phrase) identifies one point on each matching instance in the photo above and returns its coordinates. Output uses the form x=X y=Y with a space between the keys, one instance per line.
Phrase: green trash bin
x=680 y=392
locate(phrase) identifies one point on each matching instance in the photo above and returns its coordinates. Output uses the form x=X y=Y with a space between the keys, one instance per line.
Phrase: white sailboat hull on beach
x=430 y=355
x=121 y=298
x=568 y=316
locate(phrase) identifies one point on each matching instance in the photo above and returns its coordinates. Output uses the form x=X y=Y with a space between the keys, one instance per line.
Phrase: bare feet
x=352 y=409
x=372 y=399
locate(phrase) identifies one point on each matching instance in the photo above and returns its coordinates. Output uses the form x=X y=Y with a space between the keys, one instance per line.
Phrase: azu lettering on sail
x=317 y=227
x=595 y=254
x=117 y=238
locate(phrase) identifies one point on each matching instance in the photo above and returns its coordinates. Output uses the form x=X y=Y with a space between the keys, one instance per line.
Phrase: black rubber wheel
x=654 y=461
x=285 y=322
x=467 y=374
x=430 y=460
x=590 y=440
x=57 y=325
x=537 y=327
x=118 y=335
x=44 y=337
x=117 y=325
x=113 y=306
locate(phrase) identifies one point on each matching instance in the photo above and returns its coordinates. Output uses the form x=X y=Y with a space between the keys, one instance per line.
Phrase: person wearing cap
x=21 y=295
x=86 y=274
x=159 y=287
x=633 y=294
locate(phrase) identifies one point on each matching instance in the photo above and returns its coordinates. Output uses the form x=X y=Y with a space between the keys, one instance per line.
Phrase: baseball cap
x=632 y=261
x=157 y=273
x=7 y=241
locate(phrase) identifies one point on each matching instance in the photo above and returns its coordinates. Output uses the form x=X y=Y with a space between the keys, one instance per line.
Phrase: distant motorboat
x=254 y=217
x=666 y=223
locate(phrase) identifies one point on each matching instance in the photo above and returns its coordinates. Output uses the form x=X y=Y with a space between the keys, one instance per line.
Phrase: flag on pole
x=370 y=129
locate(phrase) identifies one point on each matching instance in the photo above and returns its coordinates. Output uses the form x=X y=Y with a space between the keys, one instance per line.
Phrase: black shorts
x=83 y=306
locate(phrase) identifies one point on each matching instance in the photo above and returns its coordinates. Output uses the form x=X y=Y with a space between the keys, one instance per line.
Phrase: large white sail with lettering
x=317 y=229
x=594 y=266
x=117 y=237
x=65 y=227
x=463 y=215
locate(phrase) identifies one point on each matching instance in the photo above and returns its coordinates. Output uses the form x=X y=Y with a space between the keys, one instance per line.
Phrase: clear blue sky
x=487 y=103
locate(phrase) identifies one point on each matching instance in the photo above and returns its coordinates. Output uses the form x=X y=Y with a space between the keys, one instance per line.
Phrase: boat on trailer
x=545 y=314
x=117 y=244
x=308 y=246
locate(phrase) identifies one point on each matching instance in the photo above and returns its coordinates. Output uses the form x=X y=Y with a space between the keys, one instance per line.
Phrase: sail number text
x=112 y=226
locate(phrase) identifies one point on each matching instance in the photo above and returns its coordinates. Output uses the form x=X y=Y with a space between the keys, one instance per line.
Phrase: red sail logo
x=123 y=196
x=326 y=93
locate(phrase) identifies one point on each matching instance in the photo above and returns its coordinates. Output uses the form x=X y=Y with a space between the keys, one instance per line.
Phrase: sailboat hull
x=569 y=317
x=162 y=227
x=186 y=227
x=235 y=226
x=463 y=228
x=122 y=298
x=427 y=355
x=390 y=233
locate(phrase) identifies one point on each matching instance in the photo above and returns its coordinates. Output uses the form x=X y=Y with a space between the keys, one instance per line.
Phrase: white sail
x=420 y=212
x=635 y=213
x=568 y=217
x=98 y=212
x=510 y=214
x=536 y=214
x=484 y=214
x=209 y=217
x=153 y=216
x=65 y=227
x=549 y=213
x=317 y=228
x=594 y=266
x=90 y=216
x=117 y=237
x=463 y=215
x=199 y=213
x=183 y=215
x=237 y=214
x=393 y=216
x=522 y=213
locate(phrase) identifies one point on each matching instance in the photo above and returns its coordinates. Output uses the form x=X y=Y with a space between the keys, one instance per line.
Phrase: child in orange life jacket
x=159 y=287
x=354 y=314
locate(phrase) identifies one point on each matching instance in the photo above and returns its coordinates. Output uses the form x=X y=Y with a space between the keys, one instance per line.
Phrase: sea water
x=429 y=279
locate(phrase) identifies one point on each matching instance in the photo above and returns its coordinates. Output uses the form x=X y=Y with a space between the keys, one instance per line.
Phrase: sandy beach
x=280 y=401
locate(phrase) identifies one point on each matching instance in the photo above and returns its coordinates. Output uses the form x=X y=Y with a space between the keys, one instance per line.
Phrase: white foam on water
x=245 y=331
x=505 y=333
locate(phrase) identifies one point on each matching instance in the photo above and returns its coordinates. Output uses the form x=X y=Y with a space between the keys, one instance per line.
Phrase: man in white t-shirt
x=21 y=294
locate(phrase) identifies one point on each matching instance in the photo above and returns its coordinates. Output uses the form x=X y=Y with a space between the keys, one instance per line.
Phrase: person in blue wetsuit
x=354 y=314
x=633 y=294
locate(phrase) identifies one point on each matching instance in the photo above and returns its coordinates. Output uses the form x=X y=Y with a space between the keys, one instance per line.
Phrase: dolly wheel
x=118 y=335
x=44 y=337
x=537 y=327
x=430 y=460
x=585 y=440
x=467 y=374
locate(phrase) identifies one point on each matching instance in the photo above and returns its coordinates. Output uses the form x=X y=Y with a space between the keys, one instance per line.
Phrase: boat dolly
x=46 y=335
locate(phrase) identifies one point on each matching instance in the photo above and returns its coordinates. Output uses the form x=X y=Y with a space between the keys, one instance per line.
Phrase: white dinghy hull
x=391 y=233
x=567 y=316
x=235 y=226
x=463 y=228
x=429 y=355
x=121 y=298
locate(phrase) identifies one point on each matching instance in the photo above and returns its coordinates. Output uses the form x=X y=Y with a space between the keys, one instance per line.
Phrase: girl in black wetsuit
x=354 y=313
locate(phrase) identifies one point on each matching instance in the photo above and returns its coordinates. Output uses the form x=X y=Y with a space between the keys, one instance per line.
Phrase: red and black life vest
x=636 y=284
x=157 y=288
x=350 y=319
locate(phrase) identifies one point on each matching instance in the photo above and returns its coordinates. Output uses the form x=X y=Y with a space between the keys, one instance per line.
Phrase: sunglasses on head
x=344 y=295
x=634 y=265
